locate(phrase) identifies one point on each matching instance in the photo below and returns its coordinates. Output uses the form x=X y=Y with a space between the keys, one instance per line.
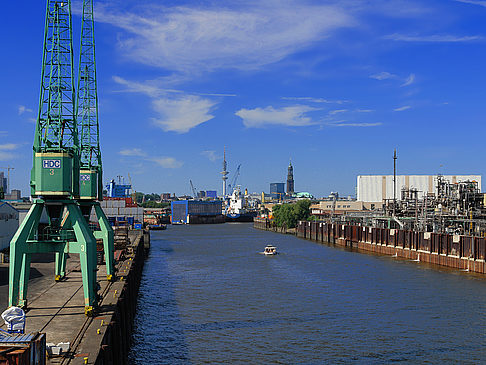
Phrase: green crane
x=55 y=171
x=91 y=173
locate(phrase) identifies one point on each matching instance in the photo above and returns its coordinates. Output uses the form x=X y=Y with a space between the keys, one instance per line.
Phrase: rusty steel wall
x=460 y=252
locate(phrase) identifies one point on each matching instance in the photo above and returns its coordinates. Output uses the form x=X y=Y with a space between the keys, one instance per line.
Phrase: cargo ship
x=237 y=209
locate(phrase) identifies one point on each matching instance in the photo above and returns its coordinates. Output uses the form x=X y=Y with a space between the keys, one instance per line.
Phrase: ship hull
x=246 y=217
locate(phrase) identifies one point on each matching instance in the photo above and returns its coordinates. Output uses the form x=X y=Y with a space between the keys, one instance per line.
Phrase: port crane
x=235 y=178
x=194 y=192
x=91 y=166
x=55 y=174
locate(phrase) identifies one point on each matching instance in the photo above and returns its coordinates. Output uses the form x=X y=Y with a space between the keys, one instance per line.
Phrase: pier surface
x=57 y=308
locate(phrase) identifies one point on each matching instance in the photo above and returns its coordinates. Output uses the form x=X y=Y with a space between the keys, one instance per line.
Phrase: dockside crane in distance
x=55 y=172
x=194 y=192
x=91 y=166
x=235 y=178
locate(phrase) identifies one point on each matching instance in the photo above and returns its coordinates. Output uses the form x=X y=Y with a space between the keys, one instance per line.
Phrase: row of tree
x=289 y=214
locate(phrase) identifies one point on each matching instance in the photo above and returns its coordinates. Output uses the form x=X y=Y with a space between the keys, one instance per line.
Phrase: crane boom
x=194 y=192
x=235 y=178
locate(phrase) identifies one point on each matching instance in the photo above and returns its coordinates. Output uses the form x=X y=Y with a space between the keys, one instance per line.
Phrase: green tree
x=290 y=213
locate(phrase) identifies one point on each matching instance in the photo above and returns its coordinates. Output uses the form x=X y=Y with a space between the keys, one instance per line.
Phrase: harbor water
x=208 y=296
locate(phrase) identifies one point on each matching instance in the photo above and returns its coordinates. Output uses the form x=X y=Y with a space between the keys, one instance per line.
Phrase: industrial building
x=376 y=188
x=196 y=212
x=9 y=223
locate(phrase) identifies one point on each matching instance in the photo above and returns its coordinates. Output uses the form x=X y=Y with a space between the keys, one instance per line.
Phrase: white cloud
x=247 y=36
x=23 y=109
x=364 y=110
x=167 y=162
x=291 y=116
x=178 y=112
x=439 y=38
x=182 y=114
x=314 y=100
x=3 y=133
x=132 y=152
x=409 y=81
x=211 y=155
x=334 y=112
x=402 y=108
x=383 y=76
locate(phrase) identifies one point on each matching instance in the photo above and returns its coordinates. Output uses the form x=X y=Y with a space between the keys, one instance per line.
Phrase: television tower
x=224 y=172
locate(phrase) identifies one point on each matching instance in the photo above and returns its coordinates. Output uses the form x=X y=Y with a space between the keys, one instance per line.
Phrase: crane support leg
x=107 y=235
x=86 y=247
x=19 y=269
x=61 y=258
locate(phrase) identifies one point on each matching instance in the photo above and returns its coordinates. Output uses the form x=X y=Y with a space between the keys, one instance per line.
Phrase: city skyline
x=336 y=86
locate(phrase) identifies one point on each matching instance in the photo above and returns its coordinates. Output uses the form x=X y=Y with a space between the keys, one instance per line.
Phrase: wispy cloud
x=383 y=76
x=200 y=39
x=8 y=147
x=211 y=155
x=338 y=111
x=5 y=151
x=474 y=2
x=177 y=112
x=364 y=110
x=23 y=109
x=402 y=108
x=409 y=81
x=294 y=116
x=439 y=38
x=164 y=161
x=167 y=162
x=3 y=133
x=343 y=123
x=132 y=152
x=314 y=100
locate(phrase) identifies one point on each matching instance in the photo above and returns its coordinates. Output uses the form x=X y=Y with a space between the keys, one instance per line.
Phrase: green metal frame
x=55 y=172
x=91 y=175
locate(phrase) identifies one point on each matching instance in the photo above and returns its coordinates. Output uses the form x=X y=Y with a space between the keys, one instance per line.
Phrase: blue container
x=137 y=226
x=130 y=220
x=120 y=219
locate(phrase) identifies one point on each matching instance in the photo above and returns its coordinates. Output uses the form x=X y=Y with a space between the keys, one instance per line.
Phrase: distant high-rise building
x=277 y=188
x=3 y=182
x=290 y=179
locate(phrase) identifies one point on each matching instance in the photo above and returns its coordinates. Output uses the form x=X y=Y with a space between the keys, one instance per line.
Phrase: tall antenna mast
x=224 y=172
x=394 y=181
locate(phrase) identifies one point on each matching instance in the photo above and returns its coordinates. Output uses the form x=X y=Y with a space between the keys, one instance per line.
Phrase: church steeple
x=290 y=179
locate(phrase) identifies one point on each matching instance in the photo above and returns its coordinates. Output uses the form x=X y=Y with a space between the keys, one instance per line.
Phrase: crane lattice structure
x=232 y=186
x=91 y=168
x=55 y=171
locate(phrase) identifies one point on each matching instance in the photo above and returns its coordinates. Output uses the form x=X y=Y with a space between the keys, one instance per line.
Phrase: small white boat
x=270 y=250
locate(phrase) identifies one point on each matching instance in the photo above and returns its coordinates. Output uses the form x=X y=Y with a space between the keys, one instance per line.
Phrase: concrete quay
x=57 y=308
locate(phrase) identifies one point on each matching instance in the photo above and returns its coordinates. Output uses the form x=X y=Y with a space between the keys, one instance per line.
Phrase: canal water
x=208 y=296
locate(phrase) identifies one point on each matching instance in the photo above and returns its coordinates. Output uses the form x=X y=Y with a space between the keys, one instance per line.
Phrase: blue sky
x=333 y=85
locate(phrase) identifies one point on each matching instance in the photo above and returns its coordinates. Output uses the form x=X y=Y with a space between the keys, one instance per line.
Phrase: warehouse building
x=197 y=212
x=9 y=223
x=376 y=188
